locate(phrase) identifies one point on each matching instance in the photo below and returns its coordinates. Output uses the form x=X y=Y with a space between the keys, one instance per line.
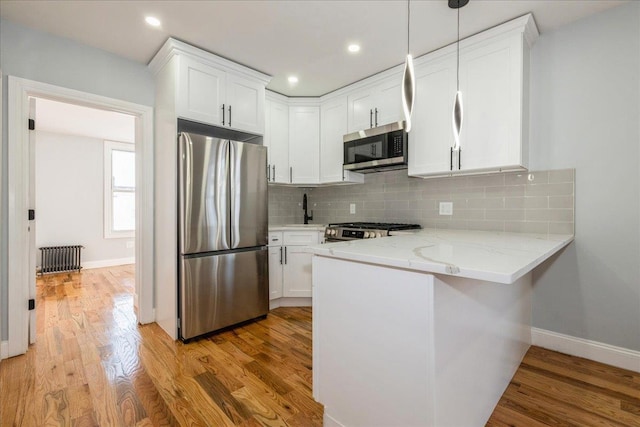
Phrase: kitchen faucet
x=307 y=217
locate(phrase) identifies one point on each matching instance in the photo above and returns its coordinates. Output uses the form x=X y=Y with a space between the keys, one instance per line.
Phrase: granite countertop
x=298 y=227
x=482 y=255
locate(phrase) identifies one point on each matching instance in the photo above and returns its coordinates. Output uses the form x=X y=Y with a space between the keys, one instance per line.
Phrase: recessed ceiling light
x=353 y=48
x=293 y=80
x=154 y=22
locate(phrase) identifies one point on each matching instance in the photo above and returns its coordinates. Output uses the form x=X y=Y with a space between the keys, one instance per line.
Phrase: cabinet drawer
x=300 y=238
x=275 y=238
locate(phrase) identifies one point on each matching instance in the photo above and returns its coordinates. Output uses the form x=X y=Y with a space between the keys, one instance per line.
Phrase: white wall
x=70 y=197
x=59 y=61
x=585 y=115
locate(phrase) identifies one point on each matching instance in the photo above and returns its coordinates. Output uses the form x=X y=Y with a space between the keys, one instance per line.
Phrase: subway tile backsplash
x=527 y=202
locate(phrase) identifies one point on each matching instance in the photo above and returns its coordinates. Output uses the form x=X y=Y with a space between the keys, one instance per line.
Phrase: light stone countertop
x=298 y=227
x=482 y=255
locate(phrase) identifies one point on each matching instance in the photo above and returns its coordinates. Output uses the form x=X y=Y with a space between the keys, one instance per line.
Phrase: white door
x=304 y=144
x=201 y=91
x=360 y=110
x=333 y=117
x=32 y=223
x=388 y=108
x=245 y=104
x=277 y=137
x=490 y=80
x=297 y=272
x=275 y=272
x=431 y=137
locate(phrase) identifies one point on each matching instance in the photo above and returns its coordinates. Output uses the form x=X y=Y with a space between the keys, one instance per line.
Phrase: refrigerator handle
x=230 y=195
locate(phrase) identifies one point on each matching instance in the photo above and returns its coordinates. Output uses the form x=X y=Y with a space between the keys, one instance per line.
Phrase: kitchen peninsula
x=447 y=315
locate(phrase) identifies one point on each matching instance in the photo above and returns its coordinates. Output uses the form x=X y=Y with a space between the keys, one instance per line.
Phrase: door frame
x=18 y=175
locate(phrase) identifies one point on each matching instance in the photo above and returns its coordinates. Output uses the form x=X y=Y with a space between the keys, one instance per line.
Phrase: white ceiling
x=71 y=119
x=304 y=37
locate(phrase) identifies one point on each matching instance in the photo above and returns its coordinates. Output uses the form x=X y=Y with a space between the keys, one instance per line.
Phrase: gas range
x=363 y=230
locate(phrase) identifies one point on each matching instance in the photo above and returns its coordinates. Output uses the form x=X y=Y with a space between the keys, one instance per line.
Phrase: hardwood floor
x=93 y=366
x=554 y=389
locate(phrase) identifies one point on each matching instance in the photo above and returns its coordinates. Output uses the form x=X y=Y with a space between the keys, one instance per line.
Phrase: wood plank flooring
x=93 y=366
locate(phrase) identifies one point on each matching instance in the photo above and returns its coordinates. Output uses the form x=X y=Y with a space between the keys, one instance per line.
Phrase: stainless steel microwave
x=376 y=149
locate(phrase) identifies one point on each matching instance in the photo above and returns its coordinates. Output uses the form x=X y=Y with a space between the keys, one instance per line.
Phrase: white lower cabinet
x=290 y=265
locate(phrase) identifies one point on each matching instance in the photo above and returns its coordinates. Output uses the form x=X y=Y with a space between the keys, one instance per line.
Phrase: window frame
x=109 y=148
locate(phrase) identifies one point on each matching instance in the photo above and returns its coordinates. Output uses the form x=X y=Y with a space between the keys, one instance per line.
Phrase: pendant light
x=408 y=80
x=457 y=115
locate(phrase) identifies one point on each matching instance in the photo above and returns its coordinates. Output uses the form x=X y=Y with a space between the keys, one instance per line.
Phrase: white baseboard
x=592 y=350
x=86 y=265
x=289 y=302
x=4 y=349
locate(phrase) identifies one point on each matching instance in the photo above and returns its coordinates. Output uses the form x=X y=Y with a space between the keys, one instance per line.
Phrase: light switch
x=446 y=208
x=352 y=208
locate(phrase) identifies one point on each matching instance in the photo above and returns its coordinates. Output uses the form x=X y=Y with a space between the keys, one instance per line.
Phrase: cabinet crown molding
x=173 y=47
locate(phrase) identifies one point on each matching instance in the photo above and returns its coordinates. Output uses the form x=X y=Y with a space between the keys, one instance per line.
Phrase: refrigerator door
x=249 y=198
x=203 y=193
x=221 y=290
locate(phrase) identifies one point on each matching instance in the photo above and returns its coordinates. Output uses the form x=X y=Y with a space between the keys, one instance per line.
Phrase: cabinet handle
x=450 y=158
x=290 y=178
x=268 y=172
x=229 y=115
x=376 y=117
x=370 y=118
x=280 y=255
x=273 y=176
x=222 y=114
x=285 y=254
x=459 y=158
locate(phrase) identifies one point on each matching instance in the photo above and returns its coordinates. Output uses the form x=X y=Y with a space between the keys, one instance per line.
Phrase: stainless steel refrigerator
x=223 y=265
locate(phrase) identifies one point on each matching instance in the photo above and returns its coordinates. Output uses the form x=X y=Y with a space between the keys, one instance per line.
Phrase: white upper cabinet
x=375 y=105
x=494 y=69
x=333 y=127
x=213 y=90
x=245 y=104
x=431 y=136
x=276 y=139
x=201 y=91
x=304 y=144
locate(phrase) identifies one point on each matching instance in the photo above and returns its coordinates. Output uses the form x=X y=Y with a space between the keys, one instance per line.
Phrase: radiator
x=55 y=259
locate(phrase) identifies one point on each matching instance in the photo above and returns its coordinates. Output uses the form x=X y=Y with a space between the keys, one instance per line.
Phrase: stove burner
x=363 y=230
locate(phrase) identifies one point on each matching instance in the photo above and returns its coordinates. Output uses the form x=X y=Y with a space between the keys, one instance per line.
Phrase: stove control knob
x=378 y=234
x=333 y=232
x=367 y=235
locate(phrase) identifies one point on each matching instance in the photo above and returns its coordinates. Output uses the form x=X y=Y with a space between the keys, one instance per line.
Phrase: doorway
x=20 y=178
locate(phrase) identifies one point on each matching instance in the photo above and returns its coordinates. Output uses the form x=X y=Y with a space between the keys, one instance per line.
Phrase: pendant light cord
x=408 y=23
x=458 y=59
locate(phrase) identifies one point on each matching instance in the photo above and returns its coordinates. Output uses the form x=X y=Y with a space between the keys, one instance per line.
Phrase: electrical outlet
x=352 y=208
x=446 y=208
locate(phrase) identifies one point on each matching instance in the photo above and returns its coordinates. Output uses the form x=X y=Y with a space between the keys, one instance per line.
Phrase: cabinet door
x=333 y=116
x=360 y=109
x=431 y=136
x=389 y=102
x=245 y=104
x=297 y=272
x=201 y=92
x=275 y=272
x=276 y=138
x=304 y=144
x=491 y=84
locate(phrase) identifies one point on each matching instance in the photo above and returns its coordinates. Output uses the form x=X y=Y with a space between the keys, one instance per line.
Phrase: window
x=119 y=189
